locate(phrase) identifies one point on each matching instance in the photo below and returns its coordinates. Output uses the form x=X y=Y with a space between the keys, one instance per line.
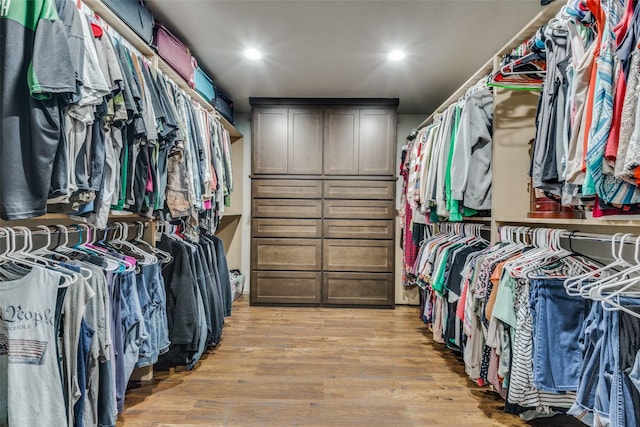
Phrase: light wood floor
x=321 y=367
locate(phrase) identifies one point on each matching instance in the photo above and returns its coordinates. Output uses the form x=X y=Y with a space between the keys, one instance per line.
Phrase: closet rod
x=577 y=235
x=72 y=228
x=595 y=237
x=469 y=226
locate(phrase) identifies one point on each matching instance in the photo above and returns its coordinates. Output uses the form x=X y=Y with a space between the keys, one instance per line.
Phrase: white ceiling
x=329 y=48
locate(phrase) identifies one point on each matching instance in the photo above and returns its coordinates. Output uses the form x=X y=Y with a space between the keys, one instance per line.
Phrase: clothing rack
x=618 y=238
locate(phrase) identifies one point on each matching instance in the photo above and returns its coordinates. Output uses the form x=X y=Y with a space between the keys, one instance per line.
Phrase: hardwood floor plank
x=321 y=367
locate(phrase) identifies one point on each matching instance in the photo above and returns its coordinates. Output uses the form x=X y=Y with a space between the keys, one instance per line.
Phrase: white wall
x=406 y=123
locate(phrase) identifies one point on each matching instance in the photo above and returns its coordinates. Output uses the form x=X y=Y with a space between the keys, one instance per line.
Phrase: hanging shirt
x=31 y=390
x=36 y=67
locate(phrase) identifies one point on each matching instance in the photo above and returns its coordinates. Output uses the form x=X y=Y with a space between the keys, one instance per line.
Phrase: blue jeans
x=591 y=342
x=557 y=322
x=155 y=316
x=605 y=394
x=134 y=331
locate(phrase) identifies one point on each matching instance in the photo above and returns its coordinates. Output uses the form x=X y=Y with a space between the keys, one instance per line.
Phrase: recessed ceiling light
x=396 y=55
x=254 y=54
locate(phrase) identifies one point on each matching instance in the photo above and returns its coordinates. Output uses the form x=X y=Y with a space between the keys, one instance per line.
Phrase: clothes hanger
x=619 y=262
x=45 y=249
x=120 y=242
x=22 y=258
x=129 y=262
x=619 y=287
x=573 y=285
x=86 y=273
x=113 y=264
x=166 y=257
x=628 y=288
x=557 y=255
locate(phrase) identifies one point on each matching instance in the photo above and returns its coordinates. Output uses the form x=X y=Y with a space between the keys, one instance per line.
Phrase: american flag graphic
x=26 y=352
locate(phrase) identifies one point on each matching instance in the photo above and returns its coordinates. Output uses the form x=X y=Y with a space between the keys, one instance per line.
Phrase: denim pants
x=593 y=340
x=134 y=331
x=557 y=322
x=155 y=316
x=606 y=394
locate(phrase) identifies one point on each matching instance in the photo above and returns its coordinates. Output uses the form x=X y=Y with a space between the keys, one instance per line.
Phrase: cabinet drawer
x=297 y=228
x=358 y=229
x=287 y=208
x=290 y=287
x=287 y=254
x=374 y=256
x=366 y=190
x=358 y=209
x=358 y=289
x=286 y=189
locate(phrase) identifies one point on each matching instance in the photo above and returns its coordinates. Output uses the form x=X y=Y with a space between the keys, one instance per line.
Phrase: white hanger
x=619 y=286
x=123 y=228
x=619 y=262
x=573 y=285
x=22 y=256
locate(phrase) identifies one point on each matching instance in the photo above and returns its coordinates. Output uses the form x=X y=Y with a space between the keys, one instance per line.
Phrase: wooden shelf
x=232 y=214
x=108 y=16
x=182 y=84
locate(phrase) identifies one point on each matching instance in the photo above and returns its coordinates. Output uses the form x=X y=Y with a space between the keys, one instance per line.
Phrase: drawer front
x=364 y=190
x=288 y=287
x=358 y=229
x=287 y=254
x=358 y=209
x=287 y=208
x=358 y=289
x=286 y=189
x=292 y=228
x=372 y=256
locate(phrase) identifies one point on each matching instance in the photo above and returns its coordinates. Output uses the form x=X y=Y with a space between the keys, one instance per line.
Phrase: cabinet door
x=342 y=131
x=305 y=141
x=377 y=147
x=269 y=153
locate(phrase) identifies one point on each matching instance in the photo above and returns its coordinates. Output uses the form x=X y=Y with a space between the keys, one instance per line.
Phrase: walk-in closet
x=319 y=213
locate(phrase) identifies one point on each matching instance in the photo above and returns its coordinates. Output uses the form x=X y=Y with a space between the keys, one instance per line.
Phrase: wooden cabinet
x=377 y=142
x=287 y=141
x=269 y=151
x=360 y=141
x=323 y=205
x=341 y=147
x=305 y=141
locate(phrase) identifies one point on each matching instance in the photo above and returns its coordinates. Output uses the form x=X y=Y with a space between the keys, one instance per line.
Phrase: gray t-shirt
x=36 y=70
x=31 y=389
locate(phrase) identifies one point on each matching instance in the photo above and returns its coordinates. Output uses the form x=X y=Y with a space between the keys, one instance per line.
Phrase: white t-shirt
x=30 y=385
